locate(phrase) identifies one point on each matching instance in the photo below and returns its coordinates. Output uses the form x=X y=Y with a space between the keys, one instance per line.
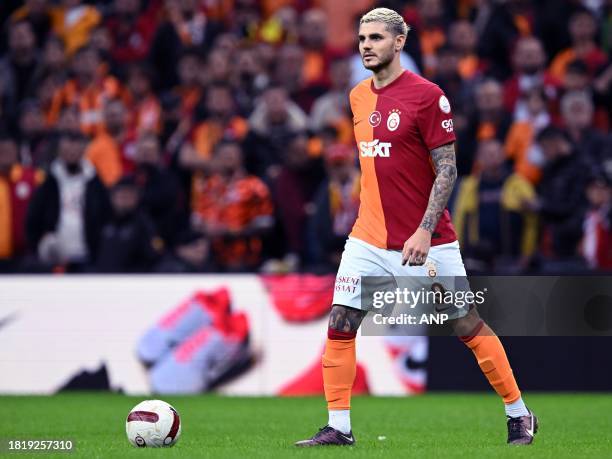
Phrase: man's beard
x=73 y=168
x=531 y=69
x=383 y=61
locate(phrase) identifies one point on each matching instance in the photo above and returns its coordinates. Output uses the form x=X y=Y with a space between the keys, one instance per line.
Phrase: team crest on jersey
x=394 y=120
x=432 y=270
x=375 y=148
x=444 y=104
x=375 y=118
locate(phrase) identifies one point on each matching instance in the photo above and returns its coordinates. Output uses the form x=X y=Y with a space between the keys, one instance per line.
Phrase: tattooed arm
x=446 y=173
x=417 y=247
x=345 y=319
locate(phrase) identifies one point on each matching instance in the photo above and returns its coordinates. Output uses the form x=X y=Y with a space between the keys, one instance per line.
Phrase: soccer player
x=404 y=130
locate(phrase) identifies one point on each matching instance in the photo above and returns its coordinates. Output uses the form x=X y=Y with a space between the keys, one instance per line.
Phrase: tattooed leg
x=345 y=319
x=340 y=364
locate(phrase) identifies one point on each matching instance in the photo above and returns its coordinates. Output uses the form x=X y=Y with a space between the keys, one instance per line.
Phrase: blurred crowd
x=216 y=135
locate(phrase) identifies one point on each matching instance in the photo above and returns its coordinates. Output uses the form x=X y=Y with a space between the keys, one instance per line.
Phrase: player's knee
x=466 y=325
x=344 y=322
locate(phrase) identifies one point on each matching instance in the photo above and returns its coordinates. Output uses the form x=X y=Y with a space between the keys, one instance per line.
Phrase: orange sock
x=493 y=362
x=339 y=366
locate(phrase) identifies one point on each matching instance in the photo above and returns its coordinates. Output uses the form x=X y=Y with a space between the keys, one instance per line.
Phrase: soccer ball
x=153 y=423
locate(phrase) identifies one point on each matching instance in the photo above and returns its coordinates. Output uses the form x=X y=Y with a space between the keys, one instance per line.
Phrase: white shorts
x=443 y=266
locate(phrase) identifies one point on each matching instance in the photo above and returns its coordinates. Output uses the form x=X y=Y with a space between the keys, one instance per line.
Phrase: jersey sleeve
x=351 y=101
x=435 y=119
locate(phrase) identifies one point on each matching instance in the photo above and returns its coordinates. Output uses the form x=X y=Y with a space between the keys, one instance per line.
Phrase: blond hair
x=393 y=21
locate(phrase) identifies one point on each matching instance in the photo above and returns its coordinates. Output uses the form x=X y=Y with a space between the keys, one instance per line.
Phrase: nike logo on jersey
x=375 y=148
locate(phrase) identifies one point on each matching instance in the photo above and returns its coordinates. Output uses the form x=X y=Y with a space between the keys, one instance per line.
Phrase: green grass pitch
x=429 y=426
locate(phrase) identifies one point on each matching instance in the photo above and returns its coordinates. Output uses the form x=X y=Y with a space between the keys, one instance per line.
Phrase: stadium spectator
x=531 y=117
x=335 y=207
x=34 y=141
x=185 y=26
x=576 y=77
x=497 y=34
x=583 y=30
x=69 y=120
x=17 y=185
x=128 y=241
x=553 y=19
x=489 y=215
x=18 y=66
x=102 y=42
x=288 y=73
x=293 y=190
x=596 y=244
x=144 y=105
x=432 y=33
x=160 y=195
x=112 y=150
x=275 y=117
x=189 y=88
x=227 y=43
x=39 y=14
x=488 y=121
x=73 y=23
x=221 y=122
x=249 y=79
x=462 y=38
x=561 y=200
x=88 y=90
x=529 y=61
x=233 y=209
x=131 y=28
x=69 y=209
x=341 y=16
x=279 y=25
x=577 y=110
x=332 y=108
x=218 y=68
x=243 y=19
x=54 y=63
x=317 y=53
x=602 y=95
x=190 y=254
x=175 y=127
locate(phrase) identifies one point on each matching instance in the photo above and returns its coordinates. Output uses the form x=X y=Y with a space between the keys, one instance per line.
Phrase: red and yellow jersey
x=233 y=205
x=16 y=191
x=396 y=127
x=89 y=101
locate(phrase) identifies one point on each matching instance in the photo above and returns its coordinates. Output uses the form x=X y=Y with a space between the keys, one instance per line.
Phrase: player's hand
x=416 y=248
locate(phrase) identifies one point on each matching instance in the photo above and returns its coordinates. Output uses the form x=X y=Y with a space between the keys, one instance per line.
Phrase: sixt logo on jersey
x=375 y=148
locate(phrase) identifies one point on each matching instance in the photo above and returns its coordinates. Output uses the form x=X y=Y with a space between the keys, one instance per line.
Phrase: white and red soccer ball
x=153 y=423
